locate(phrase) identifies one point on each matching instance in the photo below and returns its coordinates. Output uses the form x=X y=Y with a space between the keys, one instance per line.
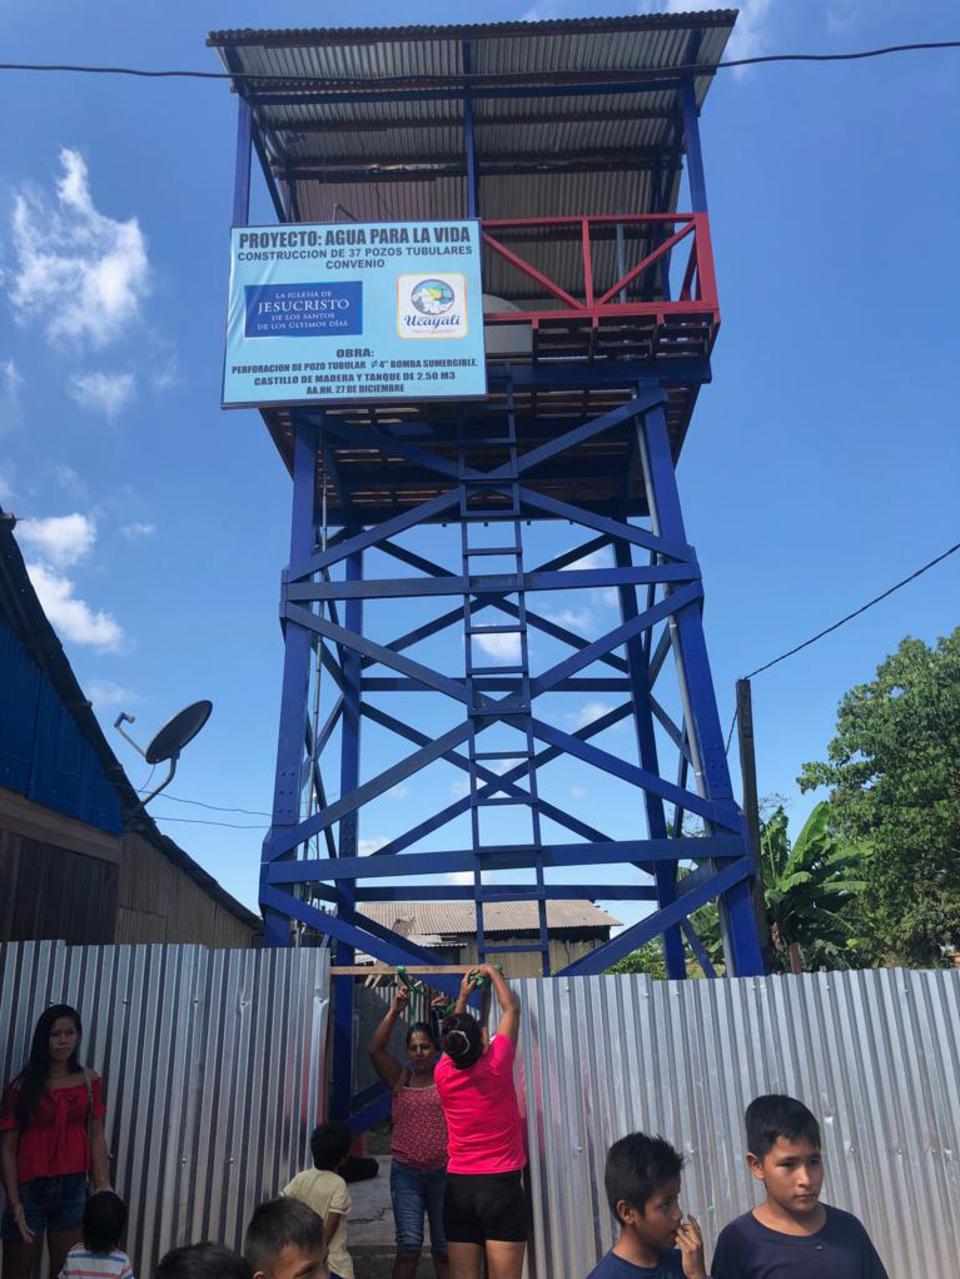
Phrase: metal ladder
x=476 y=510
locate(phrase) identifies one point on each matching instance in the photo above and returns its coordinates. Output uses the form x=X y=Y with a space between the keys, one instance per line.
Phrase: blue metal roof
x=44 y=754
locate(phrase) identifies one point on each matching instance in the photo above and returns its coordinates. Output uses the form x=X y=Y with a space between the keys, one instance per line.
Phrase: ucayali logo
x=432 y=306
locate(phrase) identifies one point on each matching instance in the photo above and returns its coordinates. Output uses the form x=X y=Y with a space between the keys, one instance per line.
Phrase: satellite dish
x=177 y=732
x=166 y=745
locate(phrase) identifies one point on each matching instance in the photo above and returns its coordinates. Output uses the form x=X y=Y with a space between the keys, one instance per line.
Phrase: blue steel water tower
x=428 y=537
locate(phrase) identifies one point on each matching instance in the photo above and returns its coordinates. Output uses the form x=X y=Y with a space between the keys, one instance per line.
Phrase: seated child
x=325 y=1191
x=104 y=1219
x=202 y=1261
x=791 y=1235
x=642 y=1180
x=284 y=1240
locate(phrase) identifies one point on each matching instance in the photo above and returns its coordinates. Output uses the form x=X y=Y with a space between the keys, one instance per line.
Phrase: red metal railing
x=697 y=294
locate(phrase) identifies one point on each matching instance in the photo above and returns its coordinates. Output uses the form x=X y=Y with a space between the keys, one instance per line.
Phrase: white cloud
x=596 y=559
x=6 y=481
x=460 y=789
x=82 y=274
x=578 y=792
x=166 y=375
x=11 y=403
x=502 y=648
x=397 y=792
x=133 y=532
x=458 y=877
x=61 y=540
x=588 y=713
x=73 y=617
x=572 y=619
x=750 y=33
x=71 y=482
x=107 y=393
x=843 y=14
x=372 y=845
x=104 y=693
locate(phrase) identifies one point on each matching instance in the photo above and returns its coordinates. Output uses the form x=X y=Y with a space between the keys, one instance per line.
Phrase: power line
x=843 y=621
x=856 y=612
x=692 y=69
x=201 y=821
x=219 y=808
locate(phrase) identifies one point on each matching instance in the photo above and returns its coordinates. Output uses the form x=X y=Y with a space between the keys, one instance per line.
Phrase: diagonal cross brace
x=389 y=952
x=646 y=399
x=721 y=815
x=597 y=961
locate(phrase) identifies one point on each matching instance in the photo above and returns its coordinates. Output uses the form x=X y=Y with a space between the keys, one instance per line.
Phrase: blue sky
x=821 y=465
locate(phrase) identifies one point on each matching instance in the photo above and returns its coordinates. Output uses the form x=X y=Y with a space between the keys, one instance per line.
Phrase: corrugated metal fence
x=213 y=1063
x=875 y=1054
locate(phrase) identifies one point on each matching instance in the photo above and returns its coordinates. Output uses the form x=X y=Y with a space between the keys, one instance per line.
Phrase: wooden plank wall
x=53 y=893
x=160 y=903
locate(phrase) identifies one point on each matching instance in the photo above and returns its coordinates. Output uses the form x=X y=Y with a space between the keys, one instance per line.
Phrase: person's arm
x=728 y=1259
x=466 y=990
x=330 y=1223
x=384 y=1062
x=9 y=1148
x=509 y=1024
x=873 y=1267
x=99 y=1158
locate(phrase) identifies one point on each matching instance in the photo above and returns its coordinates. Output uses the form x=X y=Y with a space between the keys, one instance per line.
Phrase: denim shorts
x=414 y=1193
x=49 y=1203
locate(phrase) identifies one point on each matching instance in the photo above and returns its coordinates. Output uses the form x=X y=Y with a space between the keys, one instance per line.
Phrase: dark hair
x=775 y=1115
x=330 y=1144
x=203 y=1261
x=277 y=1223
x=33 y=1078
x=462 y=1040
x=636 y=1166
x=423 y=1028
x=104 y=1218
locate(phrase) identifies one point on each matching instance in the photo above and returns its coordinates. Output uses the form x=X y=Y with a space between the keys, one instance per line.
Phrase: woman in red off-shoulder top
x=52 y=1146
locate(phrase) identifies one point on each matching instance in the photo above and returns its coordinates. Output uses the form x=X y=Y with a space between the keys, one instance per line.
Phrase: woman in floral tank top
x=418 y=1173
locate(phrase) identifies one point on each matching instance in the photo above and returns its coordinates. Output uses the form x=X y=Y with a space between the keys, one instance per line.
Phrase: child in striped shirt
x=100 y=1255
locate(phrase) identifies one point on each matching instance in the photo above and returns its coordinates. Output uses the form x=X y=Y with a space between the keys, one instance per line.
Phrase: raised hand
x=690 y=1243
x=401 y=999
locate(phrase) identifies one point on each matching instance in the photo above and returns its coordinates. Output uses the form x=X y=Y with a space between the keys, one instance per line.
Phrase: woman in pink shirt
x=485 y=1210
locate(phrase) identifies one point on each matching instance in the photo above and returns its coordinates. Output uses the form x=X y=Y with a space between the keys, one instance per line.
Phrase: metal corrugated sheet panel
x=43 y=752
x=518 y=53
x=536 y=196
x=441 y=918
x=874 y=1054
x=213 y=1065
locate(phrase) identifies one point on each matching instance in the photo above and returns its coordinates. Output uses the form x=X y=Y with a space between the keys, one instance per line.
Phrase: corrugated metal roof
x=418 y=919
x=52 y=749
x=334 y=148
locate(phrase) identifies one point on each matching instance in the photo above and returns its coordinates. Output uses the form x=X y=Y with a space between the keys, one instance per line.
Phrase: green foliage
x=894 y=772
x=811 y=888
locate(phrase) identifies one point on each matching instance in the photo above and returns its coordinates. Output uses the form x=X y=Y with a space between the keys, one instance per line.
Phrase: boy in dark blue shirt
x=642 y=1180
x=791 y=1235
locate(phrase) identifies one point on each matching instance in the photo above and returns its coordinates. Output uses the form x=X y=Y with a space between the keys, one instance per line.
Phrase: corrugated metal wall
x=43 y=753
x=874 y=1054
x=213 y=1063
